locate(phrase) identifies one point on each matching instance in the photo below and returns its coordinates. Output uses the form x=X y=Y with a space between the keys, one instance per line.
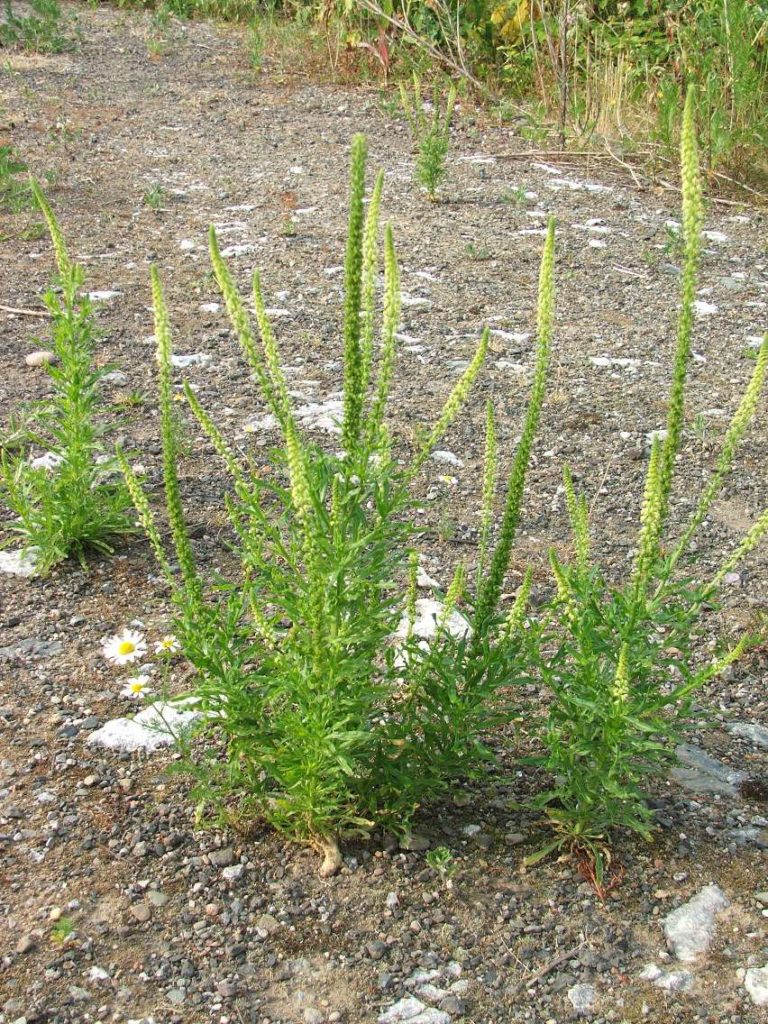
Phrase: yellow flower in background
x=125 y=647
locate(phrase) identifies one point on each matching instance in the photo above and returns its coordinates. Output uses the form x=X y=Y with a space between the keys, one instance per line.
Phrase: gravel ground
x=116 y=906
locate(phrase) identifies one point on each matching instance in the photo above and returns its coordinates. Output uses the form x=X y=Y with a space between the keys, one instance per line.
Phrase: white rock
x=152 y=728
x=605 y=361
x=325 y=415
x=277 y=312
x=258 y=423
x=187 y=245
x=597 y=243
x=428 y=613
x=40 y=358
x=210 y=307
x=446 y=457
x=102 y=296
x=668 y=981
x=195 y=359
x=507 y=364
x=518 y=337
x=238 y=250
x=715 y=236
x=689 y=929
x=756 y=983
x=49 y=461
x=582 y=998
x=413 y=1011
x=19 y=563
x=98 y=974
x=413 y=300
x=704 y=308
x=423 y=579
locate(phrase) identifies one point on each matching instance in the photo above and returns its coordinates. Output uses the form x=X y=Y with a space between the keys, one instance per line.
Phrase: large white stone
x=689 y=929
x=19 y=563
x=154 y=727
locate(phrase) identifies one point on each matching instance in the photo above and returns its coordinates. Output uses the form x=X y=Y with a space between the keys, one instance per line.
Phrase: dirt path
x=175 y=924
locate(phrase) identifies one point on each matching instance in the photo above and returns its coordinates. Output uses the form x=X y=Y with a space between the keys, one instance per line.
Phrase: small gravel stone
x=140 y=912
x=26 y=944
x=222 y=858
x=756 y=983
x=41 y=357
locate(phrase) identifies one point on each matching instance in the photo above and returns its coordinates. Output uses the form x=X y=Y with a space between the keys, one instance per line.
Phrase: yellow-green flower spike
x=63 y=261
x=353 y=283
x=389 y=327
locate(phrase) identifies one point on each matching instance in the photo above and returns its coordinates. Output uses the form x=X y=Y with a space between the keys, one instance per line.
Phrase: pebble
x=582 y=998
x=26 y=944
x=222 y=858
x=233 y=873
x=703 y=774
x=413 y=1011
x=689 y=929
x=668 y=981
x=147 y=731
x=757 y=734
x=140 y=912
x=42 y=357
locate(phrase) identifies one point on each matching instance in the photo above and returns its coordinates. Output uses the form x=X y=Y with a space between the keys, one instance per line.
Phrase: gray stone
x=222 y=858
x=453 y=1005
x=32 y=648
x=157 y=898
x=757 y=734
x=703 y=774
x=313 y=1016
x=756 y=983
x=176 y=995
x=415 y=842
x=79 y=995
x=689 y=929
x=233 y=873
x=582 y=998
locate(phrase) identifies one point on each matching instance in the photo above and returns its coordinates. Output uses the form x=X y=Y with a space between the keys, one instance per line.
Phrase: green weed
x=69 y=503
x=430 y=132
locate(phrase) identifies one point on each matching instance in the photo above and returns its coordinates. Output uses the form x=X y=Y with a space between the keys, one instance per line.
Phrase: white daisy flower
x=124 y=648
x=137 y=688
x=168 y=645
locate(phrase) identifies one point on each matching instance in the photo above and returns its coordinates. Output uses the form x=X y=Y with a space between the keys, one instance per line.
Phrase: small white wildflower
x=168 y=645
x=137 y=688
x=124 y=648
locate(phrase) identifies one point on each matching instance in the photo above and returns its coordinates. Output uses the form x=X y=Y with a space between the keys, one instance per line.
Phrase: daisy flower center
x=137 y=687
x=126 y=647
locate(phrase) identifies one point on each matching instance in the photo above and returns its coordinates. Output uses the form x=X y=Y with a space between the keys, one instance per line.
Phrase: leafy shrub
x=73 y=501
x=430 y=133
x=15 y=192
x=618 y=660
x=297 y=672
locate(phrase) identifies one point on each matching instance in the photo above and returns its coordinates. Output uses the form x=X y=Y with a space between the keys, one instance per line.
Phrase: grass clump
x=619 y=660
x=430 y=131
x=15 y=191
x=70 y=500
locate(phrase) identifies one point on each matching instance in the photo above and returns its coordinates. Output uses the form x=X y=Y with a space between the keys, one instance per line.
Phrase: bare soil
x=88 y=836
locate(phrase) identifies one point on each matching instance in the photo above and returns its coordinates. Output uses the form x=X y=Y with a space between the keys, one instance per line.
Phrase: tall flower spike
x=370 y=272
x=63 y=261
x=620 y=692
x=490 y=478
x=271 y=354
x=454 y=594
x=170 y=474
x=736 y=430
x=215 y=436
x=650 y=518
x=516 y=618
x=410 y=598
x=455 y=401
x=488 y=598
x=578 y=514
x=388 y=341
x=241 y=323
x=353 y=274
x=692 y=216
x=146 y=517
